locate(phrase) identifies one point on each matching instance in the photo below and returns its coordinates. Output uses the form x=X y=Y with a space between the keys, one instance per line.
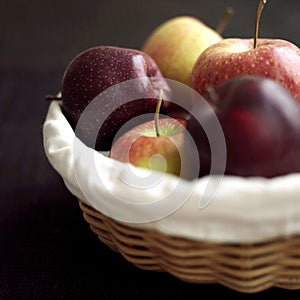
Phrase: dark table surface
x=47 y=251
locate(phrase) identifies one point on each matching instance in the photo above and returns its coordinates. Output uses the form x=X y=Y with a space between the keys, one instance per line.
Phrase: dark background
x=46 y=249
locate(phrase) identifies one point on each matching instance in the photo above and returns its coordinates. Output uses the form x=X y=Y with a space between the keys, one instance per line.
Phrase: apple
x=261 y=126
x=154 y=145
x=93 y=72
x=143 y=147
x=176 y=44
x=273 y=58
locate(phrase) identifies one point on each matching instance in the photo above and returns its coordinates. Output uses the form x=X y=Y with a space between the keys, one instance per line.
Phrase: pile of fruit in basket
x=251 y=86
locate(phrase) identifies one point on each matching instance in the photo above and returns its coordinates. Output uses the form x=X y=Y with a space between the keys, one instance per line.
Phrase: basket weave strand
x=247 y=268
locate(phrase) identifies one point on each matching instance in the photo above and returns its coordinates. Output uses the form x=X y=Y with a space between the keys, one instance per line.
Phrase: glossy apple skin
x=94 y=71
x=176 y=44
x=229 y=58
x=261 y=126
x=140 y=146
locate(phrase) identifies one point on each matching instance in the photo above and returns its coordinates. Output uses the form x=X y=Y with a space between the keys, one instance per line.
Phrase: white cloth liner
x=244 y=210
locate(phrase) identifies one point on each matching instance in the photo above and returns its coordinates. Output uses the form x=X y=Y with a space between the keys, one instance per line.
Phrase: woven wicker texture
x=247 y=268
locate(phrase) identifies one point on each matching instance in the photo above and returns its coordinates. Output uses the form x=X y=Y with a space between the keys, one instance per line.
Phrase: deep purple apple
x=261 y=126
x=92 y=73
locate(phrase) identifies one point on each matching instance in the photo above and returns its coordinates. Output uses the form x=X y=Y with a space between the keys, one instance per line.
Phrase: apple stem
x=157 y=110
x=261 y=6
x=229 y=12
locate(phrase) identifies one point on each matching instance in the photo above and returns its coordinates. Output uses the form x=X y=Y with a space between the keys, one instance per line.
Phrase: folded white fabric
x=213 y=208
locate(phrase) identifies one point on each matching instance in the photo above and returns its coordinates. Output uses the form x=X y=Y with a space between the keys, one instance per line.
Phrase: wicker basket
x=247 y=268
x=247 y=239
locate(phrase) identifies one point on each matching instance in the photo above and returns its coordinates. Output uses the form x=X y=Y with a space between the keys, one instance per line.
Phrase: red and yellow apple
x=272 y=58
x=276 y=59
x=142 y=147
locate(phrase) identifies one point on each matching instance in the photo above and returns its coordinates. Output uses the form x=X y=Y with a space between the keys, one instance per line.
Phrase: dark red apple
x=261 y=126
x=91 y=74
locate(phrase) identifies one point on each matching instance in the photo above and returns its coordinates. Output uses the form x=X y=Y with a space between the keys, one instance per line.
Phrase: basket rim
x=244 y=209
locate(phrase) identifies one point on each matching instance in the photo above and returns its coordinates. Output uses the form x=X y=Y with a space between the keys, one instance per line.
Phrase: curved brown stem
x=261 y=6
x=157 y=110
x=225 y=20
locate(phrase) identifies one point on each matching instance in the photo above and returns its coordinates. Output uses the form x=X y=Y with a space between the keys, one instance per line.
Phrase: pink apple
x=143 y=148
x=271 y=58
x=229 y=58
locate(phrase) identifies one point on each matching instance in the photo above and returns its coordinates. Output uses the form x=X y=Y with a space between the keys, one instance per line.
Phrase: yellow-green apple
x=273 y=58
x=176 y=44
x=147 y=146
x=261 y=126
x=96 y=73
